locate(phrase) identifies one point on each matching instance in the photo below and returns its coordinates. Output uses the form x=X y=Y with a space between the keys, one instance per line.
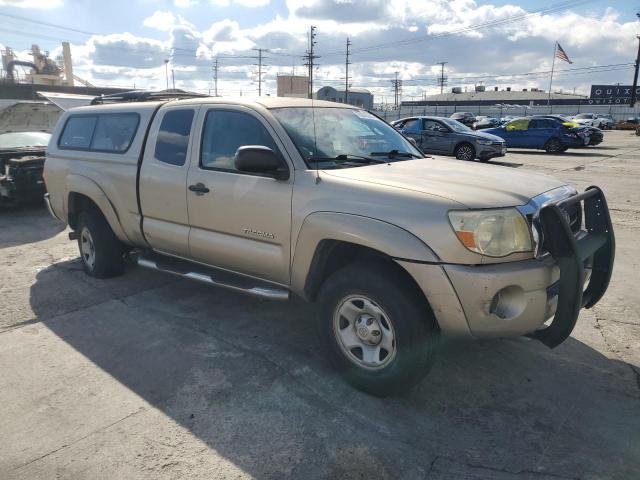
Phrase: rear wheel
x=465 y=151
x=554 y=145
x=100 y=250
x=377 y=331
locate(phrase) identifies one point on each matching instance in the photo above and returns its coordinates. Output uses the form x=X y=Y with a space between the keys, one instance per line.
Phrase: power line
x=499 y=22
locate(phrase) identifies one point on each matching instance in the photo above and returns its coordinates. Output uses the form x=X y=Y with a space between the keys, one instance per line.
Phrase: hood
x=29 y=117
x=484 y=134
x=474 y=185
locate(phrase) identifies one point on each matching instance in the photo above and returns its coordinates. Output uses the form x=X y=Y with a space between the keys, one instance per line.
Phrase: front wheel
x=100 y=250
x=377 y=330
x=465 y=151
x=553 y=145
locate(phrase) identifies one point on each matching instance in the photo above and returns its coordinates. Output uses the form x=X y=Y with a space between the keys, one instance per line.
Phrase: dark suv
x=466 y=118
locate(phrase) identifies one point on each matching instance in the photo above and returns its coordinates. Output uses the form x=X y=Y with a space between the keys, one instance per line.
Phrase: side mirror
x=413 y=141
x=260 y=159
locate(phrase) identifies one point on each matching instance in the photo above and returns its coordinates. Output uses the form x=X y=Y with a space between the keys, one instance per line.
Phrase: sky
x=490 y=42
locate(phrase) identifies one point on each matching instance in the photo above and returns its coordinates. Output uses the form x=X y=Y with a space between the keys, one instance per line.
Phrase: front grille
x=574 y=214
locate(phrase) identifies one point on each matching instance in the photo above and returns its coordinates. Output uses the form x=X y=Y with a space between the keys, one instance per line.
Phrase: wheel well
x=78 y=203
x=332 y=255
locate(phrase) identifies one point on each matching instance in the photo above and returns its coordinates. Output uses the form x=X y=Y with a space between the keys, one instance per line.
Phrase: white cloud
x=252 y=3
x=42 y=4
x=409 y=31
x=163 y=21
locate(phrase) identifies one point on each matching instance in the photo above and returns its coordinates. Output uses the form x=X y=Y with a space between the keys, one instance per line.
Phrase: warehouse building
x=293 y=86
x=359 y=97
x=482 y=96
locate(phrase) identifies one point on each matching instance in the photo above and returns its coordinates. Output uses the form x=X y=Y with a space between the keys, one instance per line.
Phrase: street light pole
x=173 y=79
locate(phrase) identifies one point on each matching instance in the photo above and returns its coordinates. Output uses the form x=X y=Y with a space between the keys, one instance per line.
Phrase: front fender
x=87 y=187
x=365 y=231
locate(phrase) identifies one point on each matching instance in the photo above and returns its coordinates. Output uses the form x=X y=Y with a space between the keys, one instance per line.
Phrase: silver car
x=445 y=136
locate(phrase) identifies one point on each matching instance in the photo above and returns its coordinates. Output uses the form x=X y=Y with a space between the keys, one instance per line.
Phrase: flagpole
x=553 y=64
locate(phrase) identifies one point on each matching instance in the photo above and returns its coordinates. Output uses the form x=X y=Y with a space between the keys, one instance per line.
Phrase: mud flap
x=597 y=246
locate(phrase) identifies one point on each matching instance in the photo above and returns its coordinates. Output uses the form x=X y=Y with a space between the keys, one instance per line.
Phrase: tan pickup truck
x=279 y=196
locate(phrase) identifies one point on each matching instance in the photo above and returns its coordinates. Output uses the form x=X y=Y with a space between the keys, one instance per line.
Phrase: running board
x=211 y=276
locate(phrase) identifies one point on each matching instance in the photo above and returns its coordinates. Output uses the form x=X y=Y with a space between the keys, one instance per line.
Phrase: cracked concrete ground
x=146 y=376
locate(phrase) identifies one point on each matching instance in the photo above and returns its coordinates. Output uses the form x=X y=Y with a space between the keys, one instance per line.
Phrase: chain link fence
x=618 y=112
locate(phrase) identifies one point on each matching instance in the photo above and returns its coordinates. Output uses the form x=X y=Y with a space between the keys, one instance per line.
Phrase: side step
x=212 y=276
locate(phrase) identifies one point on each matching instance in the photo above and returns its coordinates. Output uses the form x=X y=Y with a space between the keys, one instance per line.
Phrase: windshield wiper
x=347 y=157
x=395 y=153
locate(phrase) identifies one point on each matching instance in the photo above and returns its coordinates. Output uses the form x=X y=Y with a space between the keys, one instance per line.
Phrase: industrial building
x=23 y=79
x=359 y=97
x=483 y=96
x=292 y=86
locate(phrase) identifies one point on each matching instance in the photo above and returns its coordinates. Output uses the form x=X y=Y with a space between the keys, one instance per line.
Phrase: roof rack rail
x=145 y=96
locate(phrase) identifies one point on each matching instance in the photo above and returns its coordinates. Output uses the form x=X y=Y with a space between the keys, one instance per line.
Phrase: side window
x=432 y=125
x=114 y=132
x=109 y=132
x=517 y=125
x=78 y=132
x=412 y=125
x=542 y=123
x=224 y=132
x=173 y=137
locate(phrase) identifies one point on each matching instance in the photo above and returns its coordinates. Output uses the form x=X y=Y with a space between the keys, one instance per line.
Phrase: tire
x=553 y=145
x=404 y=325
x=100 y=250
x=465 y=151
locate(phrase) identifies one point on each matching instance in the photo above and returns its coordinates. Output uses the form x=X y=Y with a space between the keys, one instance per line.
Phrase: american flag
x=561 y=54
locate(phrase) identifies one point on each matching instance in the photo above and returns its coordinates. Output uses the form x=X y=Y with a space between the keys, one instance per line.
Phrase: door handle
x=199 y=188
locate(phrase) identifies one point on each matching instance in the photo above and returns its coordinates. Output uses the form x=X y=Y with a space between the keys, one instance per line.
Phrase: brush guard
x=596 y=247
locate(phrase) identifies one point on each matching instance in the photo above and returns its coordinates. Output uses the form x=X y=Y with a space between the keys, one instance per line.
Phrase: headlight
x=495 y=232
x=484 y=142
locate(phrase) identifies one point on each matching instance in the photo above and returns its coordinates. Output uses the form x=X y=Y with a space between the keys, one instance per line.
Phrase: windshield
x=584 y=115
x=24 y=139
x=455 y=125
x=340 y=134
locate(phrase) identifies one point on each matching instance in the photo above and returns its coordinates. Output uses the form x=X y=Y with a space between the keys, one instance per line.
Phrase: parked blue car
x=542 y=133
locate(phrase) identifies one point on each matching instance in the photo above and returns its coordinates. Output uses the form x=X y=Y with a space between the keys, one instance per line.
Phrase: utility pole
x=173 y=79
x=442 y=81
x=215 y=78
x=259 y=65
x=397 y=88
x=309 y=57
x=166 y=71
x=635 y=75
x=346 y=75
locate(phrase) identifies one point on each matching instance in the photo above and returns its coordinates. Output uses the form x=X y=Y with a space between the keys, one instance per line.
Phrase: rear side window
x=173 y=137
x=108 y=132
x=543 y=123
x=78 y=132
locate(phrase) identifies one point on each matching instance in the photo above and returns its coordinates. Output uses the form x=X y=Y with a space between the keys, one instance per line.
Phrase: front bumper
x=517 y=298
x=491 y=151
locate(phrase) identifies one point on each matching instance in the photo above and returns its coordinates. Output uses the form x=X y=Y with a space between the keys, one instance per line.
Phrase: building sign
x=611 y=94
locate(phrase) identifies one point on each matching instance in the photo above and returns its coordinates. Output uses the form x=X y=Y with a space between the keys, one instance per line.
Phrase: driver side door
x=436 y=138
x=239 y=221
